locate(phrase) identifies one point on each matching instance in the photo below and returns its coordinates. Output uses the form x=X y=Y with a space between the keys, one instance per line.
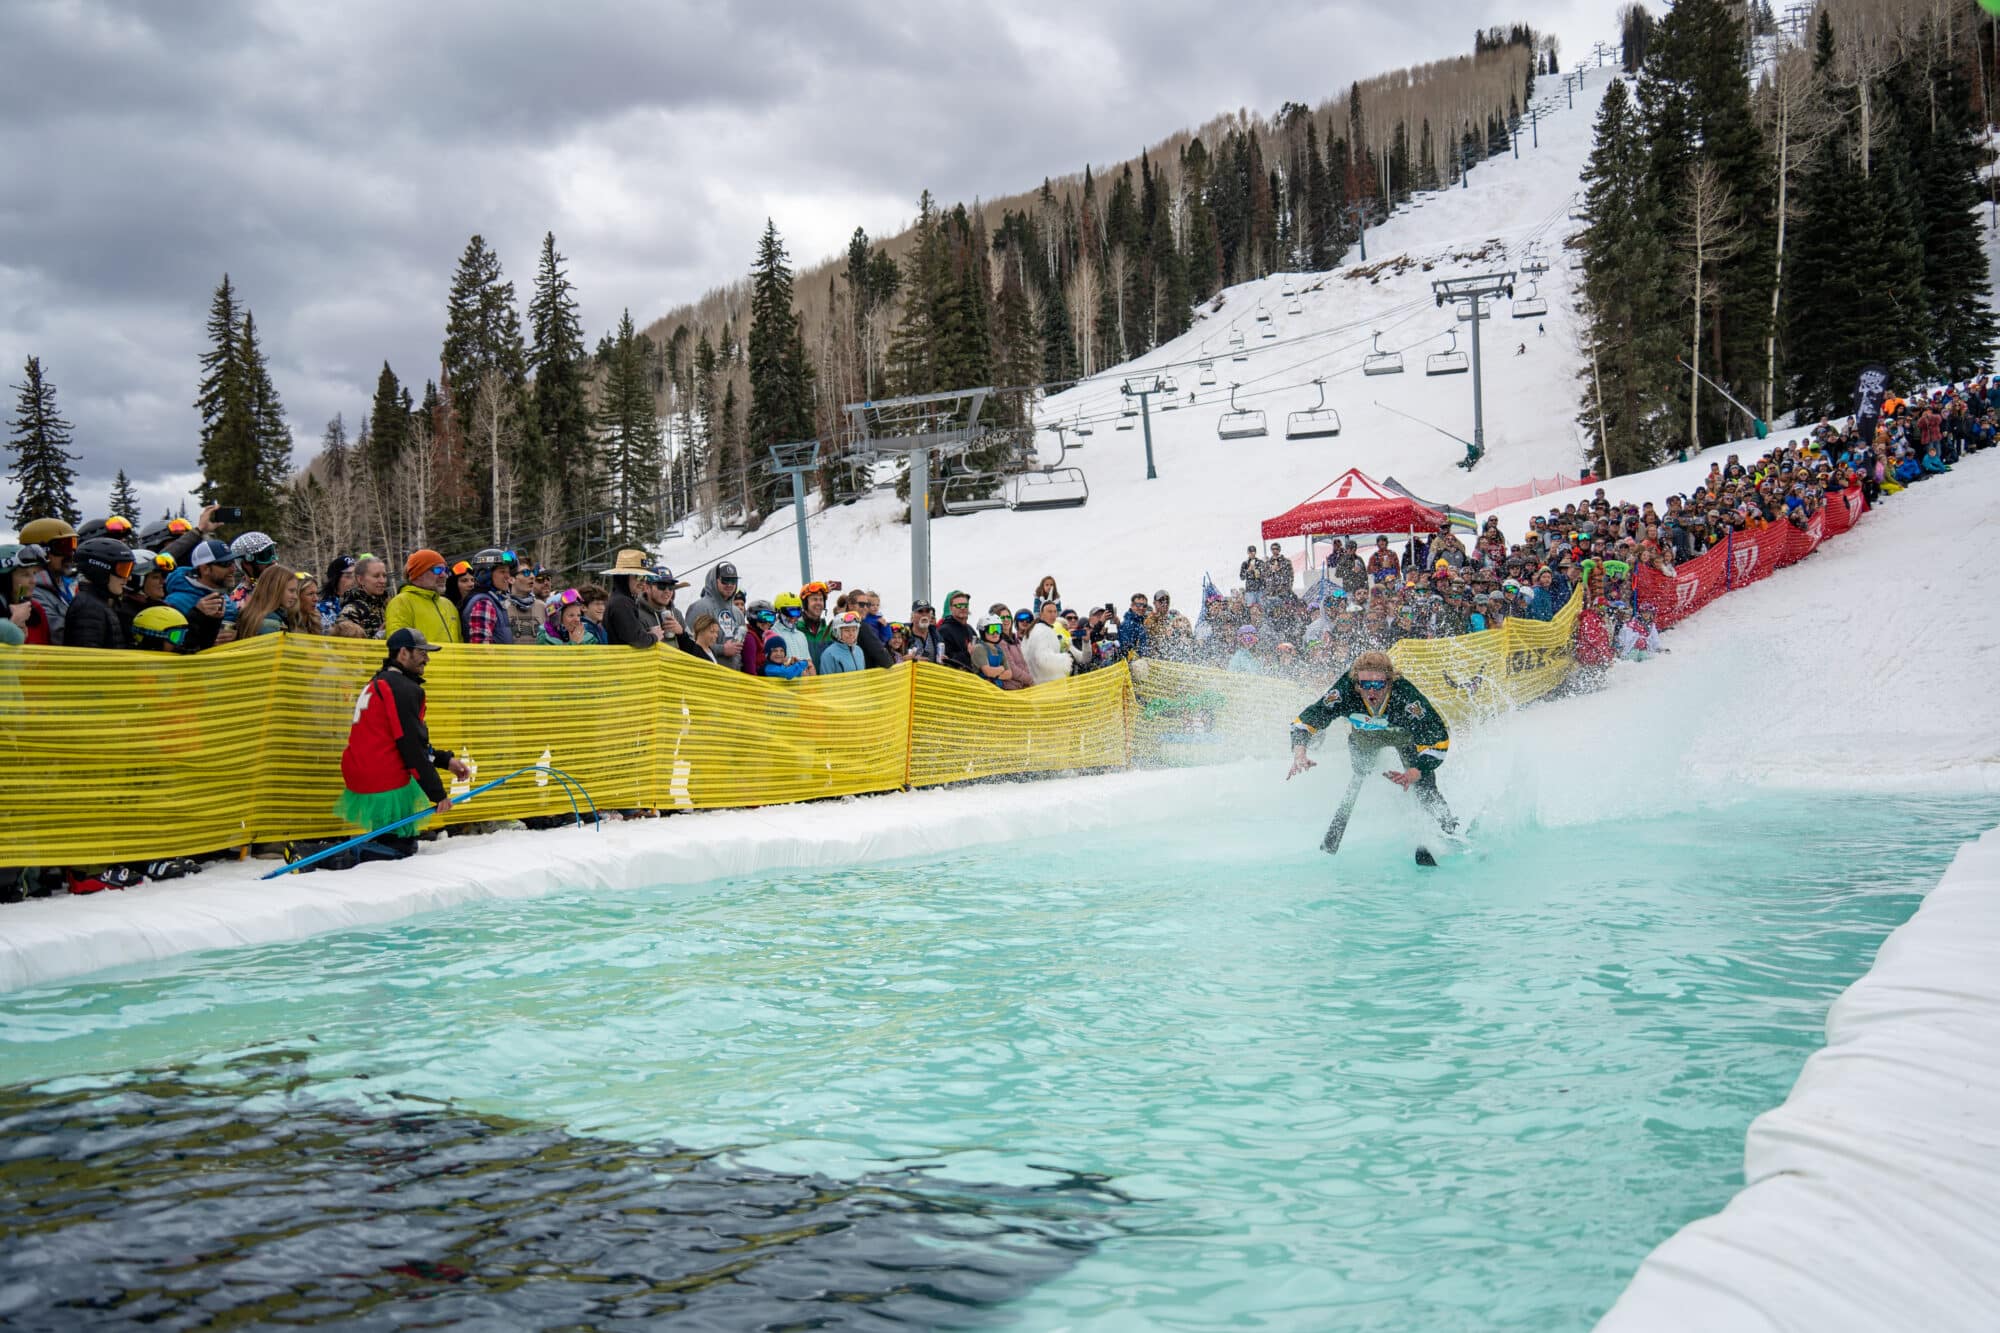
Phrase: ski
x=1338 y=828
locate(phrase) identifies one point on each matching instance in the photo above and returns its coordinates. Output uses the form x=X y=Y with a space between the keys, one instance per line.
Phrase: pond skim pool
x=1183 y=1077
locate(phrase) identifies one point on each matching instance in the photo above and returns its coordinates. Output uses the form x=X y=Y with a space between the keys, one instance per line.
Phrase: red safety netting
x=1743 y=558
x=1506 y=495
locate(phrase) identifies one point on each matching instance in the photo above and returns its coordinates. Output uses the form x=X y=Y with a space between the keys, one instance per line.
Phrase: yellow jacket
x=424 y=611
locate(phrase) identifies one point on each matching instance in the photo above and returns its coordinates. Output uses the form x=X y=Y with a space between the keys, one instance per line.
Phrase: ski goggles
x=162 y=562
x=1371 y=684
x=123 y=569
x=567 y=597
x=462 y=567
x=175 y=636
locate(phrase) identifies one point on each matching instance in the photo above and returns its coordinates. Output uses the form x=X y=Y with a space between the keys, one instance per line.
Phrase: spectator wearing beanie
x=421 y=605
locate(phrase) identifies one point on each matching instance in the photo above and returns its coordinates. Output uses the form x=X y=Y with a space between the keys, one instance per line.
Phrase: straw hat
x=630 y=561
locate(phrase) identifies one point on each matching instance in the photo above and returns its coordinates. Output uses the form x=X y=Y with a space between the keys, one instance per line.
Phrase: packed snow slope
x=1212 y=493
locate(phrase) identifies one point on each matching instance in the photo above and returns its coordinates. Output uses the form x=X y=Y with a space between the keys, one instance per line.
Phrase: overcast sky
x=333 y=158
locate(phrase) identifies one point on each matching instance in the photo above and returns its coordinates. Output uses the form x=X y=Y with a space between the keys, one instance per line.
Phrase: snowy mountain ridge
x=1279 y=340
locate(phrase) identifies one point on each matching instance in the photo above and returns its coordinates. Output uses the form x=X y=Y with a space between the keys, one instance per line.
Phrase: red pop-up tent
x=1357 y=505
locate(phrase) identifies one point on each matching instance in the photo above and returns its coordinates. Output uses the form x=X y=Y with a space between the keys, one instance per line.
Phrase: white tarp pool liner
x=1872 y=1199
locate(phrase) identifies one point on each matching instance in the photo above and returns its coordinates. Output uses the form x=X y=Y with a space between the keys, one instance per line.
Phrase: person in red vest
x=389 y=767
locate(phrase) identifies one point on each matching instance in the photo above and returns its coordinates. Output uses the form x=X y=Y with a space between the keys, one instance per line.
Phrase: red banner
x=1744 y=558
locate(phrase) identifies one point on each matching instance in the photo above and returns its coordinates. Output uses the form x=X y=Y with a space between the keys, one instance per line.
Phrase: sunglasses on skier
x=1372 y=684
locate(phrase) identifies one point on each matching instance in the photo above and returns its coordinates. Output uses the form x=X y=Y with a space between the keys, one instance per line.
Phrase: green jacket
x=1407 y=720
x=424 y=611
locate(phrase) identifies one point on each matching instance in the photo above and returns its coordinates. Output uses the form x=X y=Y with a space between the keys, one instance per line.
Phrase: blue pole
x=373 y=834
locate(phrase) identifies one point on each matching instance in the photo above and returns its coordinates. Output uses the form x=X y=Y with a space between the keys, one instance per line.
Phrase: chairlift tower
x=913 y=426
x=1143 y=387
x=1475 y=290
x=795 y=460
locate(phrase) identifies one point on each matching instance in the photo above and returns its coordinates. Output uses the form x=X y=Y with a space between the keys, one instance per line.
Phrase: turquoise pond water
x=1217 y=1078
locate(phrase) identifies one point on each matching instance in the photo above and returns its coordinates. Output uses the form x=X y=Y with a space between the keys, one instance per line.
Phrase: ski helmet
x=115 y=526
x=787 y=601
x=160 y=533
x=28 y=556
x=762 y=613
x=47 y=532
x=162 y=625
x=101 y=557
x=255 y=550
x=990 y=622
x=493 y=557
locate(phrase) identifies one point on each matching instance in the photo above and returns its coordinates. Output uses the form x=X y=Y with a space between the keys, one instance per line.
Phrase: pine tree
x=483 y=333
x=124 y=501
x=1694 y=97
x=228 y=441
x=1944 y=161
x=1854 y=295
x=781 y=379
x=42 y=476
x=388 y=424
x=263 y=505
x=561 y=411
x=628 y=432
x=1321 y=225
x=1625 y=260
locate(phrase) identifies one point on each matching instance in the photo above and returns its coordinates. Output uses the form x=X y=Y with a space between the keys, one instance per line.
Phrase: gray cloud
x=333 y=159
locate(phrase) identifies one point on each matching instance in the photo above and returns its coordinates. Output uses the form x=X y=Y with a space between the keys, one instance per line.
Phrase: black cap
x=725 y=573
x=409 y=638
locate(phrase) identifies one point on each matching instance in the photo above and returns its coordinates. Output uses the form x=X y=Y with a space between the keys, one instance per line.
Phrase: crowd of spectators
x=176 y=586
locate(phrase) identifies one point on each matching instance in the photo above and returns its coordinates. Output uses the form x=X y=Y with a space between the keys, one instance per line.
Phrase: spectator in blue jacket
x=200 y=591
x=777 y=660
x=1132 y=635
x=844 y=653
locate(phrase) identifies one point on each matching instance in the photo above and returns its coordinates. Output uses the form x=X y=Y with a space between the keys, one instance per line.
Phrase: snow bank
x=229 y=906
x=1874 y=1191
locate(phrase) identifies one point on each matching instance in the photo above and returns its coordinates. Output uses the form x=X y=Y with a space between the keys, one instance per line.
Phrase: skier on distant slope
x=1383 y=711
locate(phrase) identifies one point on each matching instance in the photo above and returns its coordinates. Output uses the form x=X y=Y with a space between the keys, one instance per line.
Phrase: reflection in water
x=183 y=1200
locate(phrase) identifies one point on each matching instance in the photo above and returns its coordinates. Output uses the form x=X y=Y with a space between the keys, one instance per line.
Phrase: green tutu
x=379 y=809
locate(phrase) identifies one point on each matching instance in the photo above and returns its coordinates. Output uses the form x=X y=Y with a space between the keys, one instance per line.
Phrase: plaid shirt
x=481 y=614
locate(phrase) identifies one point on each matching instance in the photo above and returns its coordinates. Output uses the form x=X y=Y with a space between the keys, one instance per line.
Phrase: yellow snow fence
x=110 y=756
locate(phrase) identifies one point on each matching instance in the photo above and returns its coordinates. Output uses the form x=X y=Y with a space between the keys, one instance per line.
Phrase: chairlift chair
x=1536 y=265
x=1532 y=306
x=1270 y=333
x=1315 y=423
x=1083 y=428
x=1448 y=362
x=1263 y=315
x=1239 y=423
x=1295 y=308
x=1207 y=372
x=954 y=496
x=1379 y=362
x=1236 y=338
x=1048 y=488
